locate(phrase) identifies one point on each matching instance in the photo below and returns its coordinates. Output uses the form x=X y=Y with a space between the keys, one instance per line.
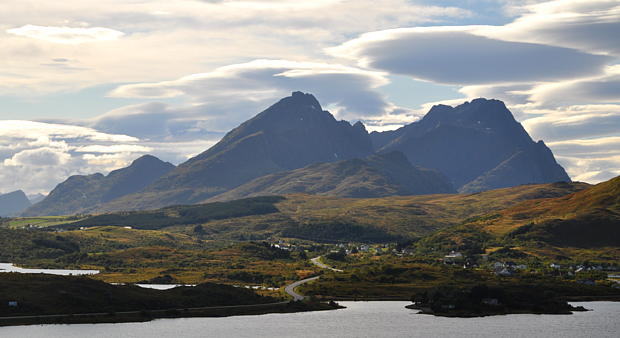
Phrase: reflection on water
x=162 y=286
x=359 y=319
x=8 y=267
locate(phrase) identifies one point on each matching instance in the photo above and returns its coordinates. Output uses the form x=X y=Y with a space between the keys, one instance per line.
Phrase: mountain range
x=80 y=194
x=296 y=146
x=478 y=145
x=291 y=134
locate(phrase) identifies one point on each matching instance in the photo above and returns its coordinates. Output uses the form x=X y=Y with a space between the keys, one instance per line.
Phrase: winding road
x=316 y=262
x=290 y=289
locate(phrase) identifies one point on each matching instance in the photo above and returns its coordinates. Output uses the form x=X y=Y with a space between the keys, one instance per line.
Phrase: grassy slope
x=580 y=225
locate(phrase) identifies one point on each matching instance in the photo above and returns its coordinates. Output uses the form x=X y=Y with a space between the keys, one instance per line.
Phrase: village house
x=454 y=254
x=522 y=266
x=504 y=272
x=555 y=265
x=497 y=265
x=510 y=264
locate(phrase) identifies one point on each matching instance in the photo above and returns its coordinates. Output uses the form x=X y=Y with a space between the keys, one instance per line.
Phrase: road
x=316 y=262
x=290 y=289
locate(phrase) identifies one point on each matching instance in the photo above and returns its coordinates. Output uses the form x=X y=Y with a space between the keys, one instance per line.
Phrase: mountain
x=80 y=194
x=478 y=145
x=291 y=134
x=35 y=198
x=371 y=177
x=13 y=202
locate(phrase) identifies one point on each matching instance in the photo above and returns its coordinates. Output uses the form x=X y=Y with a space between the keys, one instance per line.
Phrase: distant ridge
x=371 y=177
x=13 y=202
x=80 y=194
x=291 y=134
x=478 y=145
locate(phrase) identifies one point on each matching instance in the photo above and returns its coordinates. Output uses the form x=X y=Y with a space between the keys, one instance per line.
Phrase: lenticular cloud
x=67 y=35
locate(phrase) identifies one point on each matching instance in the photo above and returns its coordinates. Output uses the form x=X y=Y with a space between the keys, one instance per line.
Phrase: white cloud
x=455 y=56
x=38 y=157
x=182 y=37
x=124 y=148
x=574 y=122
x=602 y=89
x=30 y=130
x=587 y=25
x=227 y=96
x=67 y=35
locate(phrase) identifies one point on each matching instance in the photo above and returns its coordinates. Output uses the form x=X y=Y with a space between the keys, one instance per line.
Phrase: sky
x=89 y=86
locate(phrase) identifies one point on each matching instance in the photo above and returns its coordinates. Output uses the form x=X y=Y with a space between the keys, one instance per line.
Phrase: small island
x=482 y=301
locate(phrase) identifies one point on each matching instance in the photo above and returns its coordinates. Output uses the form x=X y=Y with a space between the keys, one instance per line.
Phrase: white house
x=497 y=265
x=522 y=266
x=555 y=265
x=454 y=254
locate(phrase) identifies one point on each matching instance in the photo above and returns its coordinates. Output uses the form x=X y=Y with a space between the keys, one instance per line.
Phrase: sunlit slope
x=576 y=225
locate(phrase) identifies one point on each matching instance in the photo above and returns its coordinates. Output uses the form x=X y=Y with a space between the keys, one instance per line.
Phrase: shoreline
x=146 y=316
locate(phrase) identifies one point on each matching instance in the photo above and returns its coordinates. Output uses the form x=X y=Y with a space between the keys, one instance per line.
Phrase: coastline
x=145 y=316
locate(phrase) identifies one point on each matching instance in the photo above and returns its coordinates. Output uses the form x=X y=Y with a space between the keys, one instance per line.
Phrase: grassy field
x=41 y=222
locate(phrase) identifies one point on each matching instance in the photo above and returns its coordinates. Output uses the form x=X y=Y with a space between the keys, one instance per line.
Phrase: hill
x=581 y=225
x=327 y=219
x=81 y=194
x=13 y=202
x=291 y=134
x=371 y=177
x=478 y=145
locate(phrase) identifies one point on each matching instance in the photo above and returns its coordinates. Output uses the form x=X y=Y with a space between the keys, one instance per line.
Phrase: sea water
x=359 y=319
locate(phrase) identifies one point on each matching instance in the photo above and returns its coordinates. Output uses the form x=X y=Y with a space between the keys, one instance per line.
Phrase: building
x=454 y=254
